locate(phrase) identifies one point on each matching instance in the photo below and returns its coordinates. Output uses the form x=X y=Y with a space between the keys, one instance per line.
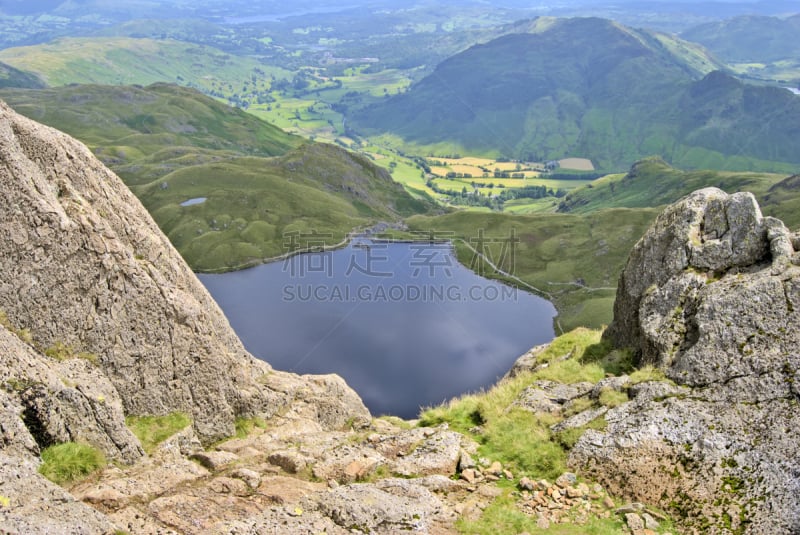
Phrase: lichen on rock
x=710 y=295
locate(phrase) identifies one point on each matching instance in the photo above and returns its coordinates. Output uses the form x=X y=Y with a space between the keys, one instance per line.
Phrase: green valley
x=592 y=88
x=465 y=113
x=574 y=257
x=172 y=144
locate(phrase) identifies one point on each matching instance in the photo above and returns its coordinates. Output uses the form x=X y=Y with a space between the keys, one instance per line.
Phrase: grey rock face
x=389 y=506
x=707 y=231
x=84 y=265
x=69 y=401
x=711 y=295
x=37 y=506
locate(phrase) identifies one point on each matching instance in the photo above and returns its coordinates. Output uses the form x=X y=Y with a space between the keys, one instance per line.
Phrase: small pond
x=405 y=324
x=192 y=202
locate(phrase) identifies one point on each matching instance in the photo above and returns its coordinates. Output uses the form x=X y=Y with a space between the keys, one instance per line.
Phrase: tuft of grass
x=245 y=426
x=648 y=373
x=69 y=461
x=577 y=406
x=578 y=342
x=396 y=421
x=512 y=435
x=572 y=371
x=502 y=517
x=23 y=334
x=612 y=398
x=61 y=351
x=522 y=441
x=153 y=430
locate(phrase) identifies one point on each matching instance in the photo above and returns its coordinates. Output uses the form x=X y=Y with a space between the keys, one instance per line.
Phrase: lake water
x=405 y=324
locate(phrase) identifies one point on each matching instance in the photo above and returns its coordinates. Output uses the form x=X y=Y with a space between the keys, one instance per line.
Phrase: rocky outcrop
x=710 y=295
x=84 y=266
x=101 y=318
x=66 y=401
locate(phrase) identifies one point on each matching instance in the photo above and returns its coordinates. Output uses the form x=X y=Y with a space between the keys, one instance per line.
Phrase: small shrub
x=153 y=430
x=69 y=461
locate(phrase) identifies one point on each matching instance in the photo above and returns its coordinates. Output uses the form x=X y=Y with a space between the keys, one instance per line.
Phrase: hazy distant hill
x=125 y=60
x=172 y=144
x=750 y=38
x=764 y=48
x=590 y=88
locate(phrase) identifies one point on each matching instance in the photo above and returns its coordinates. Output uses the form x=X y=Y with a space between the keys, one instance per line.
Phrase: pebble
x=566 y=479
x=468 y=475
x=634 y=521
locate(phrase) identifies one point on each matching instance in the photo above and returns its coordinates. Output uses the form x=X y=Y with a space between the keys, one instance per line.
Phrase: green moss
x=67 y=462
x=61 y=351
x=23 y=334
x=152 y=430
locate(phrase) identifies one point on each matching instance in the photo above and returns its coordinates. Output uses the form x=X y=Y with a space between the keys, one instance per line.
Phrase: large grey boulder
x=711 y=295
x=84 y=265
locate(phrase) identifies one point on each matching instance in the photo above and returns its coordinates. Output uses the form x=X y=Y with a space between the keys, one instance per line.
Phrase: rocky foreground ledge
x=101 y=320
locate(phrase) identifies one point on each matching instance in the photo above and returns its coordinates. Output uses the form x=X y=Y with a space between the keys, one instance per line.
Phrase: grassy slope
x=254 y=202
x=588 y=87
x=523 y=440
x=653 y=182
x=575 y=257
x=171 y=144
x=782 y=200
x=121 y=60
x=127 y=124
x=11 y=77
x=575 y=260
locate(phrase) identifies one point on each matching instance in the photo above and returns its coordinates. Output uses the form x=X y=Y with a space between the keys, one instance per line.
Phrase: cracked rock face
x=84 y=265
x=711 y=295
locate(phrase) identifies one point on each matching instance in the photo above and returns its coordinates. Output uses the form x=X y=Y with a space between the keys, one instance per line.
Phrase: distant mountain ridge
x=586 y=87
x=750 y=38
